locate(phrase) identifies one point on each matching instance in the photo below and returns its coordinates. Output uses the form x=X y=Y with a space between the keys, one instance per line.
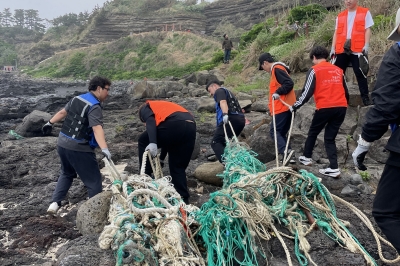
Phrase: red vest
x=289 y=98
x=329 y=90
x=163 y=109
x=357 y=33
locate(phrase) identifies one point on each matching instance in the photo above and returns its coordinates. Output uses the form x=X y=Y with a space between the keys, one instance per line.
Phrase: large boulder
x=303 y=118
x=241 y=96
x=350 y=122
x=155 y=89
x=207 y=173
x=354 y=96
x=32 y=124
x=260 y=106
x=92 y=215
x=205 y=105
x=203 y=77
x=377 y=150
x=262 y=144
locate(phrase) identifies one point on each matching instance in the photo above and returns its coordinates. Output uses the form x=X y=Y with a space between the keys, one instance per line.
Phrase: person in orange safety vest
x=172 y=128
x=280 y=86
x=351 y=40
x=327 y=83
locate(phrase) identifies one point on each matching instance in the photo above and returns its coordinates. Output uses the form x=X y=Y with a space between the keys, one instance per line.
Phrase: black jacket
x=386 y=97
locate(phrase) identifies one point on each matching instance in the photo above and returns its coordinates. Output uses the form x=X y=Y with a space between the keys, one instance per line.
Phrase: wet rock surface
x=29 y=169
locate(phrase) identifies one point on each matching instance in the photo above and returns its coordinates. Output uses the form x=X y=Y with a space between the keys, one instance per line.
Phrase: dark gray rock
x=84 y=251
x=32 y=124
x=260 y=106
x=262 y=144
x=92 y=214
x=356 y=179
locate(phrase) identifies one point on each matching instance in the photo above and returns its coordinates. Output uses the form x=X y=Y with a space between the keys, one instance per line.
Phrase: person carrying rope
x=227 y=109
x=172 y=128
x=351 y=40
x=327 y=83
x=385 y=113
x=81 y=133
x=280 y=87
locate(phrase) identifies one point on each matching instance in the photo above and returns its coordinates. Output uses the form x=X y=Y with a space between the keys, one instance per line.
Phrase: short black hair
x=319 y=52
x=214 y=81
x=98 y=81
x=224 y=35
x=265 y=57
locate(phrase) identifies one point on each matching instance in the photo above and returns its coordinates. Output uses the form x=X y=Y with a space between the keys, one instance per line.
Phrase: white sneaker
x=330 y=172
x=304 y=160
x=53 y=208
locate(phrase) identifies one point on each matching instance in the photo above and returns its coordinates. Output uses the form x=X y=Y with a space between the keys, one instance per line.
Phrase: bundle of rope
x=254 y=201
x=149 y=223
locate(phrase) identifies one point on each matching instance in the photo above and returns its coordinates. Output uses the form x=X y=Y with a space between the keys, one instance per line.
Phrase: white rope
x=368 y=223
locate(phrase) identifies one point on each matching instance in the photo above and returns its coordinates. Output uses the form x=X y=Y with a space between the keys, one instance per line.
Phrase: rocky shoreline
x=29 y=167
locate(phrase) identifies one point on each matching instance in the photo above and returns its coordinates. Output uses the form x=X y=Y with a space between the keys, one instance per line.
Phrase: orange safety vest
x=329 y=90
x=163 y=109
x=357 y=33
x=289 y=98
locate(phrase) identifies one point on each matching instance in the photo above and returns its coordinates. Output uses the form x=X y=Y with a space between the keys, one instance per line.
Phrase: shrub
x=311 y=13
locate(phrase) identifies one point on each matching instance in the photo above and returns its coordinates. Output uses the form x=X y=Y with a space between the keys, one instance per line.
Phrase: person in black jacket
x=227 y=109
x=384 y=114
x=227 y=46
x=172 y=128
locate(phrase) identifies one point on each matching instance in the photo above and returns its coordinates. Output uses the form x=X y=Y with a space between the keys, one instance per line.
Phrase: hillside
x=152 y=54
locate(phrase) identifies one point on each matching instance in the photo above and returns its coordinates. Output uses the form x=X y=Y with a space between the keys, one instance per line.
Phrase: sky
x=49 y=9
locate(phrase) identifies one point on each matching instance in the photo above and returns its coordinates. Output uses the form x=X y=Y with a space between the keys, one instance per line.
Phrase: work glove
x=332 y=52
x=47 y=128
x=225 y=118
x=152 y=147
x=292 y=109
x=106 y=153
x=360 y=152
x=365 y=49
x=275 y=96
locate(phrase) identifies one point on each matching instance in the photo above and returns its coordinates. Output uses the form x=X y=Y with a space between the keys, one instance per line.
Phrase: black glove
x=47 y=128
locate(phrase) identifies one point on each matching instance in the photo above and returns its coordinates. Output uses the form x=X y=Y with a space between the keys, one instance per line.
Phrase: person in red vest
x=350 y=40
x=172 y=128
x=280 y=86
x=327 y=83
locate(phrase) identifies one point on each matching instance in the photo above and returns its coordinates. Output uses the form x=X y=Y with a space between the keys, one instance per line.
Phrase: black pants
x=76 y=162
x=386 y=207
x=342 y=61
x=218 y=142
x=332 y=118
x=282 y=121
x=177 y=138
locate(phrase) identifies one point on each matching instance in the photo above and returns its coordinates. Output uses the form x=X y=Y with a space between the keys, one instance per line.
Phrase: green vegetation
x=155 y=55
x=365 y=175
x=7 y=54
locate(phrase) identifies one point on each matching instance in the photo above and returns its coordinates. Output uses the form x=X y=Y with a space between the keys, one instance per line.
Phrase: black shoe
x=366 y=101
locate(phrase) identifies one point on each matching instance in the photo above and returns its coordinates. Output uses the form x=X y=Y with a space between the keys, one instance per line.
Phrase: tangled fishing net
x=255 y=202
x=149 y=223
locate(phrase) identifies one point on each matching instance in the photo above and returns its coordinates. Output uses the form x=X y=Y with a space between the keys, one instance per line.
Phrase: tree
x=7 y=18
x=19 y=17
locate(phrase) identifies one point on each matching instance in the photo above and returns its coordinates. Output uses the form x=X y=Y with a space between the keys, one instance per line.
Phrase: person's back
x=329 y=91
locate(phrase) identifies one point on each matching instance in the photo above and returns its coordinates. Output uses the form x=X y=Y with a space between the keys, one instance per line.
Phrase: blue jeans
x=76 y=162
x=227 y=55
x=282 y=121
